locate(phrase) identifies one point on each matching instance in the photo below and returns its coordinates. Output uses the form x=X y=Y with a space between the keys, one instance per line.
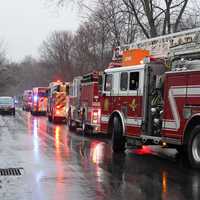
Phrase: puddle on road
x=22 y=148
x=138 y=174
x=54 y=179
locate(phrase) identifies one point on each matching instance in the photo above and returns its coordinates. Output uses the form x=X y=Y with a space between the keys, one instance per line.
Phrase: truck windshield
x=42 y=94
x=134 y=81
x=6 y=101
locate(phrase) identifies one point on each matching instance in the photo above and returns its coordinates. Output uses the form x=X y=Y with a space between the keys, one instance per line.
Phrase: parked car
x=7 y=105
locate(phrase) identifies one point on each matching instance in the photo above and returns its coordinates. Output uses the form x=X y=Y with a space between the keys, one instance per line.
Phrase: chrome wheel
x=196 y=148
x=83 y=127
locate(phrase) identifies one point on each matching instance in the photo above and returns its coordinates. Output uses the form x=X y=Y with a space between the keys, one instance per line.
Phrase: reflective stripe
x=134 y=121
x=168 y=124
x=178 y=91
x=105 y=118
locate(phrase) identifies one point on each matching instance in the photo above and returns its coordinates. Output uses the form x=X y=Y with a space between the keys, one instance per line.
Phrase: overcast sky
x=24 y=24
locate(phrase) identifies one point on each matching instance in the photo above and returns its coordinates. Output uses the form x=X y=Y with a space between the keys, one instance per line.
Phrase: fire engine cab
x=154 y=98
x=58 y=99
x=85 y=109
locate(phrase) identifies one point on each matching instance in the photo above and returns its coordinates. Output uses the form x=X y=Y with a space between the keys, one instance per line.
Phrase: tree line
x=110 y=23
x=107 y=24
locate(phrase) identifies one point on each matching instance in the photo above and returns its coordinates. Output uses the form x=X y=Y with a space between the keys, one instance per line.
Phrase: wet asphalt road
x=61 y=165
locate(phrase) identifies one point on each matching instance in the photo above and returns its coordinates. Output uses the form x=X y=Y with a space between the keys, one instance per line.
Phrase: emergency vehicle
x=39 y=100
x=27 y=100
x=154 y=98
x=74 y=112
x=85 y=110
x=58 y=100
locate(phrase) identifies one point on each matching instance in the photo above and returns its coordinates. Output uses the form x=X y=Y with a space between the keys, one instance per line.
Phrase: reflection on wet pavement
x=62 y=165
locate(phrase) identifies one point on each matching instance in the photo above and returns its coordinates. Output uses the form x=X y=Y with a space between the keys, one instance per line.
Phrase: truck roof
x=27 y=91
x=39 y=89
x=183 y=71
x=121 y=69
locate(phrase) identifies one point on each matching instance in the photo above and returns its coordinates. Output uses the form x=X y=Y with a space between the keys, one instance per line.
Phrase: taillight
x=57 y=112
x=96 y=98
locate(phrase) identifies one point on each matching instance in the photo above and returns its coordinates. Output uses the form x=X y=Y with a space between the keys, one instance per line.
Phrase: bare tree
x=55 y=50
x=108 y=23
x=153 y=17
x=121 y=25
x=157 y=17
x=2 y=53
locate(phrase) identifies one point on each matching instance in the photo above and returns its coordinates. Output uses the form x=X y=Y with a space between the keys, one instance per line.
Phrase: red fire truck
x=85 y=109
x=58 y=99
x=156 y=100
x=27 y=100
x=74 y=103
x=39 y=100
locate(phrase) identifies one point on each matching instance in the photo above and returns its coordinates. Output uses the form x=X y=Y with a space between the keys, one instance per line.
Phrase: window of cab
x=124 y=81
x=108 y=82
x=134 y=81
x=129 y=81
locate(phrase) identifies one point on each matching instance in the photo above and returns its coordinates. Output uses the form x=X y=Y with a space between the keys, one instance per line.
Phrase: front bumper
x=7 y=110
x=60 y=113
x=96 y=128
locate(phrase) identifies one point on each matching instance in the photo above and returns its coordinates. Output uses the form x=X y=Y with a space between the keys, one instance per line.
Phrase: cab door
x=106 y=100
x=130 y=100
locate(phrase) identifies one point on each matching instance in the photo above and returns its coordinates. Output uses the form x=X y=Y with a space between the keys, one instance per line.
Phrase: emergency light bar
x=35 y=98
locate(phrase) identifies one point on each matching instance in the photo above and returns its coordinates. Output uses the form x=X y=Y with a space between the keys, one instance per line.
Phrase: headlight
x=153 y=110
x=156 y=121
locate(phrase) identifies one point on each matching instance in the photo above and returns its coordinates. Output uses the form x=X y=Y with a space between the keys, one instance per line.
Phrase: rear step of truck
x=146 y=139
x=133 y=143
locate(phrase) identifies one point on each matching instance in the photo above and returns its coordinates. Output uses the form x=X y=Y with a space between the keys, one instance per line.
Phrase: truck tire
x=84 y=128
x=54 y=119
x=49 y=118
x=180 y=149
x=118 y=140
x=71 y=128
x=193 y=148
x=83 y=124
x=34 y=113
